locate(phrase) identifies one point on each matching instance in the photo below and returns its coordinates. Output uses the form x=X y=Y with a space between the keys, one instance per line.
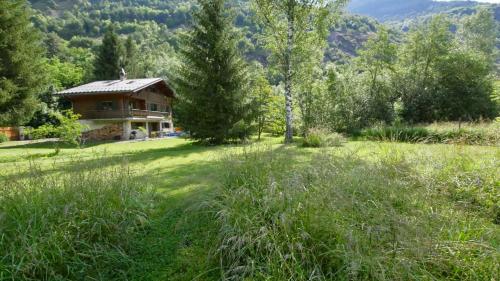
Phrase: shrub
x=339 y=217
x=3 y=138
x=69 y=129
x=317 y=137
x=74 y=225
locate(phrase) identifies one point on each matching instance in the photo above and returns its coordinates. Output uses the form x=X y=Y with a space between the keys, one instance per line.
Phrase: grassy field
x=174 y=210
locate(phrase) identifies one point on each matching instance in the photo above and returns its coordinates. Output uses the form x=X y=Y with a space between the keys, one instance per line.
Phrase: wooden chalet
x=117 y=109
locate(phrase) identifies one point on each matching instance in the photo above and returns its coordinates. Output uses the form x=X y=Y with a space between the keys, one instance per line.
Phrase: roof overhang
x=119 y=87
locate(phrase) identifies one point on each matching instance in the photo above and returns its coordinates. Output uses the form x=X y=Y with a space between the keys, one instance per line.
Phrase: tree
x=212 y=86
x=262 y=99
x=61 y=75
x=107 y=64
x=376 y=62
x=21 y=64
x=479 y=33
x=416 y=81
x=68 y=129
x=465 y=87
x=292 y=28
x=130 y=59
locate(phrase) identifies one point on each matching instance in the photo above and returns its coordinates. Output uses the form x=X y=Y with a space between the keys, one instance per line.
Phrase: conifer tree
x=21 y=62
x=107 y=64
x=212 y=87
x=130 y=60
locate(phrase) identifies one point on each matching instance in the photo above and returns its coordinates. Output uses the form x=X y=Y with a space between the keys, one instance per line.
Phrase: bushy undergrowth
x=473 y=135
x=72 y=225
x=317 y=137
x=341 y=217
x=3 y=138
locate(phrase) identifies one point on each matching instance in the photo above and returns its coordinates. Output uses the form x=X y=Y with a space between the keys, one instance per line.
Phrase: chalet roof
x=113 y=86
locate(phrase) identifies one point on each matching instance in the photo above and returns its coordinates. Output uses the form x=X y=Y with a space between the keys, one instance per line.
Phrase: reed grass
x=447 y=133
x=339 y=216
x=73 y=225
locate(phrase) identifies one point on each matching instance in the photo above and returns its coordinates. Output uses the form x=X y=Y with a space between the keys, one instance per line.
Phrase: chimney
x=123 y=75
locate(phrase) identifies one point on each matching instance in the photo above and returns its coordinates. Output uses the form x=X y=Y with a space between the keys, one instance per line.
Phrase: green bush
x=3 y=138
x=74 y=225
x=318 y=137
x=340 y=217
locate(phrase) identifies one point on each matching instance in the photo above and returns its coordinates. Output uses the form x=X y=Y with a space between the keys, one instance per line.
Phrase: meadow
x=175 y=210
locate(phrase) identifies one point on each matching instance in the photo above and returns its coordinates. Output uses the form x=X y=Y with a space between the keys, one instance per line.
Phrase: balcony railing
x=116 y=114
x=145 y=113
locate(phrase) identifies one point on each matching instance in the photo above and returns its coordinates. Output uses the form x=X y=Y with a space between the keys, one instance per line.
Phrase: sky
x=485 y=1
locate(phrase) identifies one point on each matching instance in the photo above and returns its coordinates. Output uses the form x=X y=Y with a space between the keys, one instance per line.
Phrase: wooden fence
x=11 y=132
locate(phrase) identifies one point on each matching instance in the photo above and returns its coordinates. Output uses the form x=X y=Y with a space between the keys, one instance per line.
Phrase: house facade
x=123 y=109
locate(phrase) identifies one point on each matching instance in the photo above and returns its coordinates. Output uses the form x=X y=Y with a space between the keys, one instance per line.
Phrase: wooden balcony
x=145 y=113
x=123 y=114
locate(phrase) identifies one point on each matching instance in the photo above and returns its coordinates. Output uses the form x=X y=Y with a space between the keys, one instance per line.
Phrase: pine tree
x=130 y=60
x=21 y=61
x=107 y=64
x=212 y=86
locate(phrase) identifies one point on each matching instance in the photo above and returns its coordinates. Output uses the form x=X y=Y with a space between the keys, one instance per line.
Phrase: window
x=133 y=105
x=106 y=105
x=166 y=125
x=153 y=107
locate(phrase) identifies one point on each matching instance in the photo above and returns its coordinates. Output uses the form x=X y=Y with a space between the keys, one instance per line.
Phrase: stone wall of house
x=113 y=131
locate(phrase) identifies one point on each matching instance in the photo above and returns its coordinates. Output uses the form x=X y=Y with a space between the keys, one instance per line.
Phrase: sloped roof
x=113 y=86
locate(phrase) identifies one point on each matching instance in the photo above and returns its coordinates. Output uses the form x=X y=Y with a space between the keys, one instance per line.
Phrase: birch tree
x=292 y=28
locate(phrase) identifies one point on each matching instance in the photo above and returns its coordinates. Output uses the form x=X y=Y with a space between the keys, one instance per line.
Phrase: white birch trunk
x=288 y=76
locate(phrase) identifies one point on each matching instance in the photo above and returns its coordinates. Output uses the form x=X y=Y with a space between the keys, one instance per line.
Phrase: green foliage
x=275 y=122
x=479 y=33
x=63 y=75
x=130 y=59
x=417 y=80
x=68 y=129
x=22 y=74
x=294 y=30
x=212 y=85
x=376 y=61
x=341 y=216
x=319 y=137
x=107 y=64
x=262 y=104
x=439 y=80
x=465 y=87
x=3 y=138
x=74 y=225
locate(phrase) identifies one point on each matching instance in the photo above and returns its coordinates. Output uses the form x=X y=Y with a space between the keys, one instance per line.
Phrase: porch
x=149 y=128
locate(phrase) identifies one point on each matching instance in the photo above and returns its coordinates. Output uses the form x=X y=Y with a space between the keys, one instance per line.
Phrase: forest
x=321 y=140
x=349 y=74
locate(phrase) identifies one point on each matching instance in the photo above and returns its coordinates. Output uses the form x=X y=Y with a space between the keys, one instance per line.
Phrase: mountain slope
x=396 y=10
x=82 y=23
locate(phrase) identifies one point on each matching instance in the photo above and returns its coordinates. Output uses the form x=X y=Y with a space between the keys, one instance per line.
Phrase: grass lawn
x=177 y=231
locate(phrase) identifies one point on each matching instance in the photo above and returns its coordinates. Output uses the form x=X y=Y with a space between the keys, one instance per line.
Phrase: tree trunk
x=288 y=76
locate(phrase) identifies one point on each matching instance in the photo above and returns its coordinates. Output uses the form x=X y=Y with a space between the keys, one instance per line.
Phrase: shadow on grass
x=50 y=145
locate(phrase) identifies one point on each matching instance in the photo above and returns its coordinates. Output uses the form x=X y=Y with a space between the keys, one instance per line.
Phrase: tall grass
x=319 y=137
x=73 y=225
x=288 y=216
x=447 y=133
